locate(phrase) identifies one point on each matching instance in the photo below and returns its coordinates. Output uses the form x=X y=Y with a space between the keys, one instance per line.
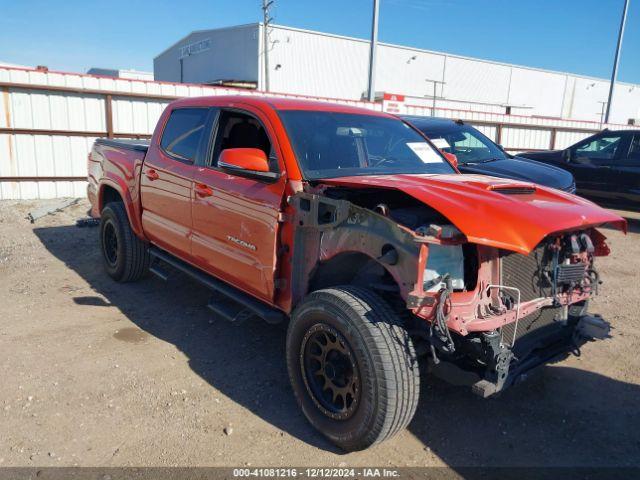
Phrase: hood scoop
x=513 y=189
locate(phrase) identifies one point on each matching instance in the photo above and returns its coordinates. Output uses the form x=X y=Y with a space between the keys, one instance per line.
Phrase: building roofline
x=233 y=27
x=453 y=55
x=403 y=47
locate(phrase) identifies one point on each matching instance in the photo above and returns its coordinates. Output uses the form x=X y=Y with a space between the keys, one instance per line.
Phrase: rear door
x=166 y=178
x=590 y=162
x=235 y=219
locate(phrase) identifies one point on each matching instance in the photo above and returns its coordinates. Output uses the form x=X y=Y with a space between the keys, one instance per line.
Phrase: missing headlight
x=444 y=260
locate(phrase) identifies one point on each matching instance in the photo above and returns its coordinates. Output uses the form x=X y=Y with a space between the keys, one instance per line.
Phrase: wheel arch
x=351 y=268
x=110 y=190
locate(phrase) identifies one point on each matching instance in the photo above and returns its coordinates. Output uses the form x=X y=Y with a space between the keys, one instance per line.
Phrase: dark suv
x=606 y=166
x=477 y=154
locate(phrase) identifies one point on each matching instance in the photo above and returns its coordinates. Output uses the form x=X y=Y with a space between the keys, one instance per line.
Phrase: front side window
x=183 y=132
x=330 y=145
x=240 y=130
x=599 y=149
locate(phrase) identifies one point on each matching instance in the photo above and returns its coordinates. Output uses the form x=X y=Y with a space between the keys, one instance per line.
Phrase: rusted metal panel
x=42 y=166
x=44 y=110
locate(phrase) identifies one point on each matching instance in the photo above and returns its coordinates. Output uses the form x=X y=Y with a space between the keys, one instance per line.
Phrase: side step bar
x=229 y=310
x=260 y=309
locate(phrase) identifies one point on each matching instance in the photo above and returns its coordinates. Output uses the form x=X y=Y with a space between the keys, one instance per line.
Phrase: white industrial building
x=319 y=64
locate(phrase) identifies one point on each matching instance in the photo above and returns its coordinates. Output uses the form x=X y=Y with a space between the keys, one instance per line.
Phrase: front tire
x=352 y=366
x=125 y=256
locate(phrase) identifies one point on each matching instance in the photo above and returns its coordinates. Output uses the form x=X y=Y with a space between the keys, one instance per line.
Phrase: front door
x=235 y=219
x=165 y=183
x=625 y=171
x=590 y=163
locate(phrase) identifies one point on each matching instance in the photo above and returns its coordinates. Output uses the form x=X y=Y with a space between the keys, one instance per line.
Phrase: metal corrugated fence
x=49 y=120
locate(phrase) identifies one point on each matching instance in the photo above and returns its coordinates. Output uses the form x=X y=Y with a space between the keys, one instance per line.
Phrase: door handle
x=203 y=190
x=152 y=175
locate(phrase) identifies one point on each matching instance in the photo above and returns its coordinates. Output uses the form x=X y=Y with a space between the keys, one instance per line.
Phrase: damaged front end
x=525 y=310
x=484 y=314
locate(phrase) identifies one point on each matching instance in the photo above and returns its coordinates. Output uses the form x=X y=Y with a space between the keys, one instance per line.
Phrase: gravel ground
x=96 y=373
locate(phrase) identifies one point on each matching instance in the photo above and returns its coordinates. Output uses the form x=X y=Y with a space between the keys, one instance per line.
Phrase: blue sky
x=567 y=35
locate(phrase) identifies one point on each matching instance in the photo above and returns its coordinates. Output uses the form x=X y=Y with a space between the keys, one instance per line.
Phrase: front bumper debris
x=517 y=369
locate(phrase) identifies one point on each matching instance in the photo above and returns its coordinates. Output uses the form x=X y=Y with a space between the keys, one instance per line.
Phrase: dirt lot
x=100 y=374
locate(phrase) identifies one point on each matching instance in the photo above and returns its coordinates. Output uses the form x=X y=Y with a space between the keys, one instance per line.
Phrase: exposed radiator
x=532 y=325
x=527 y=273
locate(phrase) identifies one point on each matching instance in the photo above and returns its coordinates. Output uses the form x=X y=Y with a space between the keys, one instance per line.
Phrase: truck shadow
x=632 y=218
x=244 y=362
x=563 y=416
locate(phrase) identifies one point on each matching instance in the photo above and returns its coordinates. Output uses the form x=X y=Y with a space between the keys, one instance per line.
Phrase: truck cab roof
x=276 y=103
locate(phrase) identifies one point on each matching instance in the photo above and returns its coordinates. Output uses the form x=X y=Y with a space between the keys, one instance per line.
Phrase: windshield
x=464 y=141
x=330 y=144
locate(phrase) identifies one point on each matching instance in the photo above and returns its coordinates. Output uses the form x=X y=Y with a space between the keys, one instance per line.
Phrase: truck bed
x=117 y=163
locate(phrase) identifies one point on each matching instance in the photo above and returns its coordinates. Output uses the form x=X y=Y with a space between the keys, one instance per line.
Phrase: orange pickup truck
x=352 y=227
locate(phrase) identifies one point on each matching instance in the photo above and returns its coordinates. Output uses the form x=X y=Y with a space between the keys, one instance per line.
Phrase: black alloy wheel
x=330 y=371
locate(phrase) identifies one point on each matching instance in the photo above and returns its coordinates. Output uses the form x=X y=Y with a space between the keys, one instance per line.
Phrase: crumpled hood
x=479 y=207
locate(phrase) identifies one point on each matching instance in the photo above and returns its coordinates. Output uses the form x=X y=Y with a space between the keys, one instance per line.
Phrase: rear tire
x=353 y=367
x=125 y=256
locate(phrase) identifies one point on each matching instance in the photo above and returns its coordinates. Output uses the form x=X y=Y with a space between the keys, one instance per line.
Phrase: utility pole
x=435 y=94
x=602 y=111
x=266 y=4
x=371 y=92
x=616 y=59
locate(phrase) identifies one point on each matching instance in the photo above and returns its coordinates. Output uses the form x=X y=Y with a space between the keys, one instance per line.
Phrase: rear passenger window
x=183 y=132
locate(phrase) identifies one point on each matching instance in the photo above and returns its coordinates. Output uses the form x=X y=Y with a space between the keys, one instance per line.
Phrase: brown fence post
x=499 y=134
x=552 y=140
x=108 y=110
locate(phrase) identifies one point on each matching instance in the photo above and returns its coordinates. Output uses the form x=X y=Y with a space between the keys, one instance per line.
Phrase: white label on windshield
x=425 y=152
x=441 y=143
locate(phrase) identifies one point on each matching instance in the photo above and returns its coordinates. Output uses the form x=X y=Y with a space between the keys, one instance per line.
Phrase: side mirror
x=453 y=160
x=246 y=162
